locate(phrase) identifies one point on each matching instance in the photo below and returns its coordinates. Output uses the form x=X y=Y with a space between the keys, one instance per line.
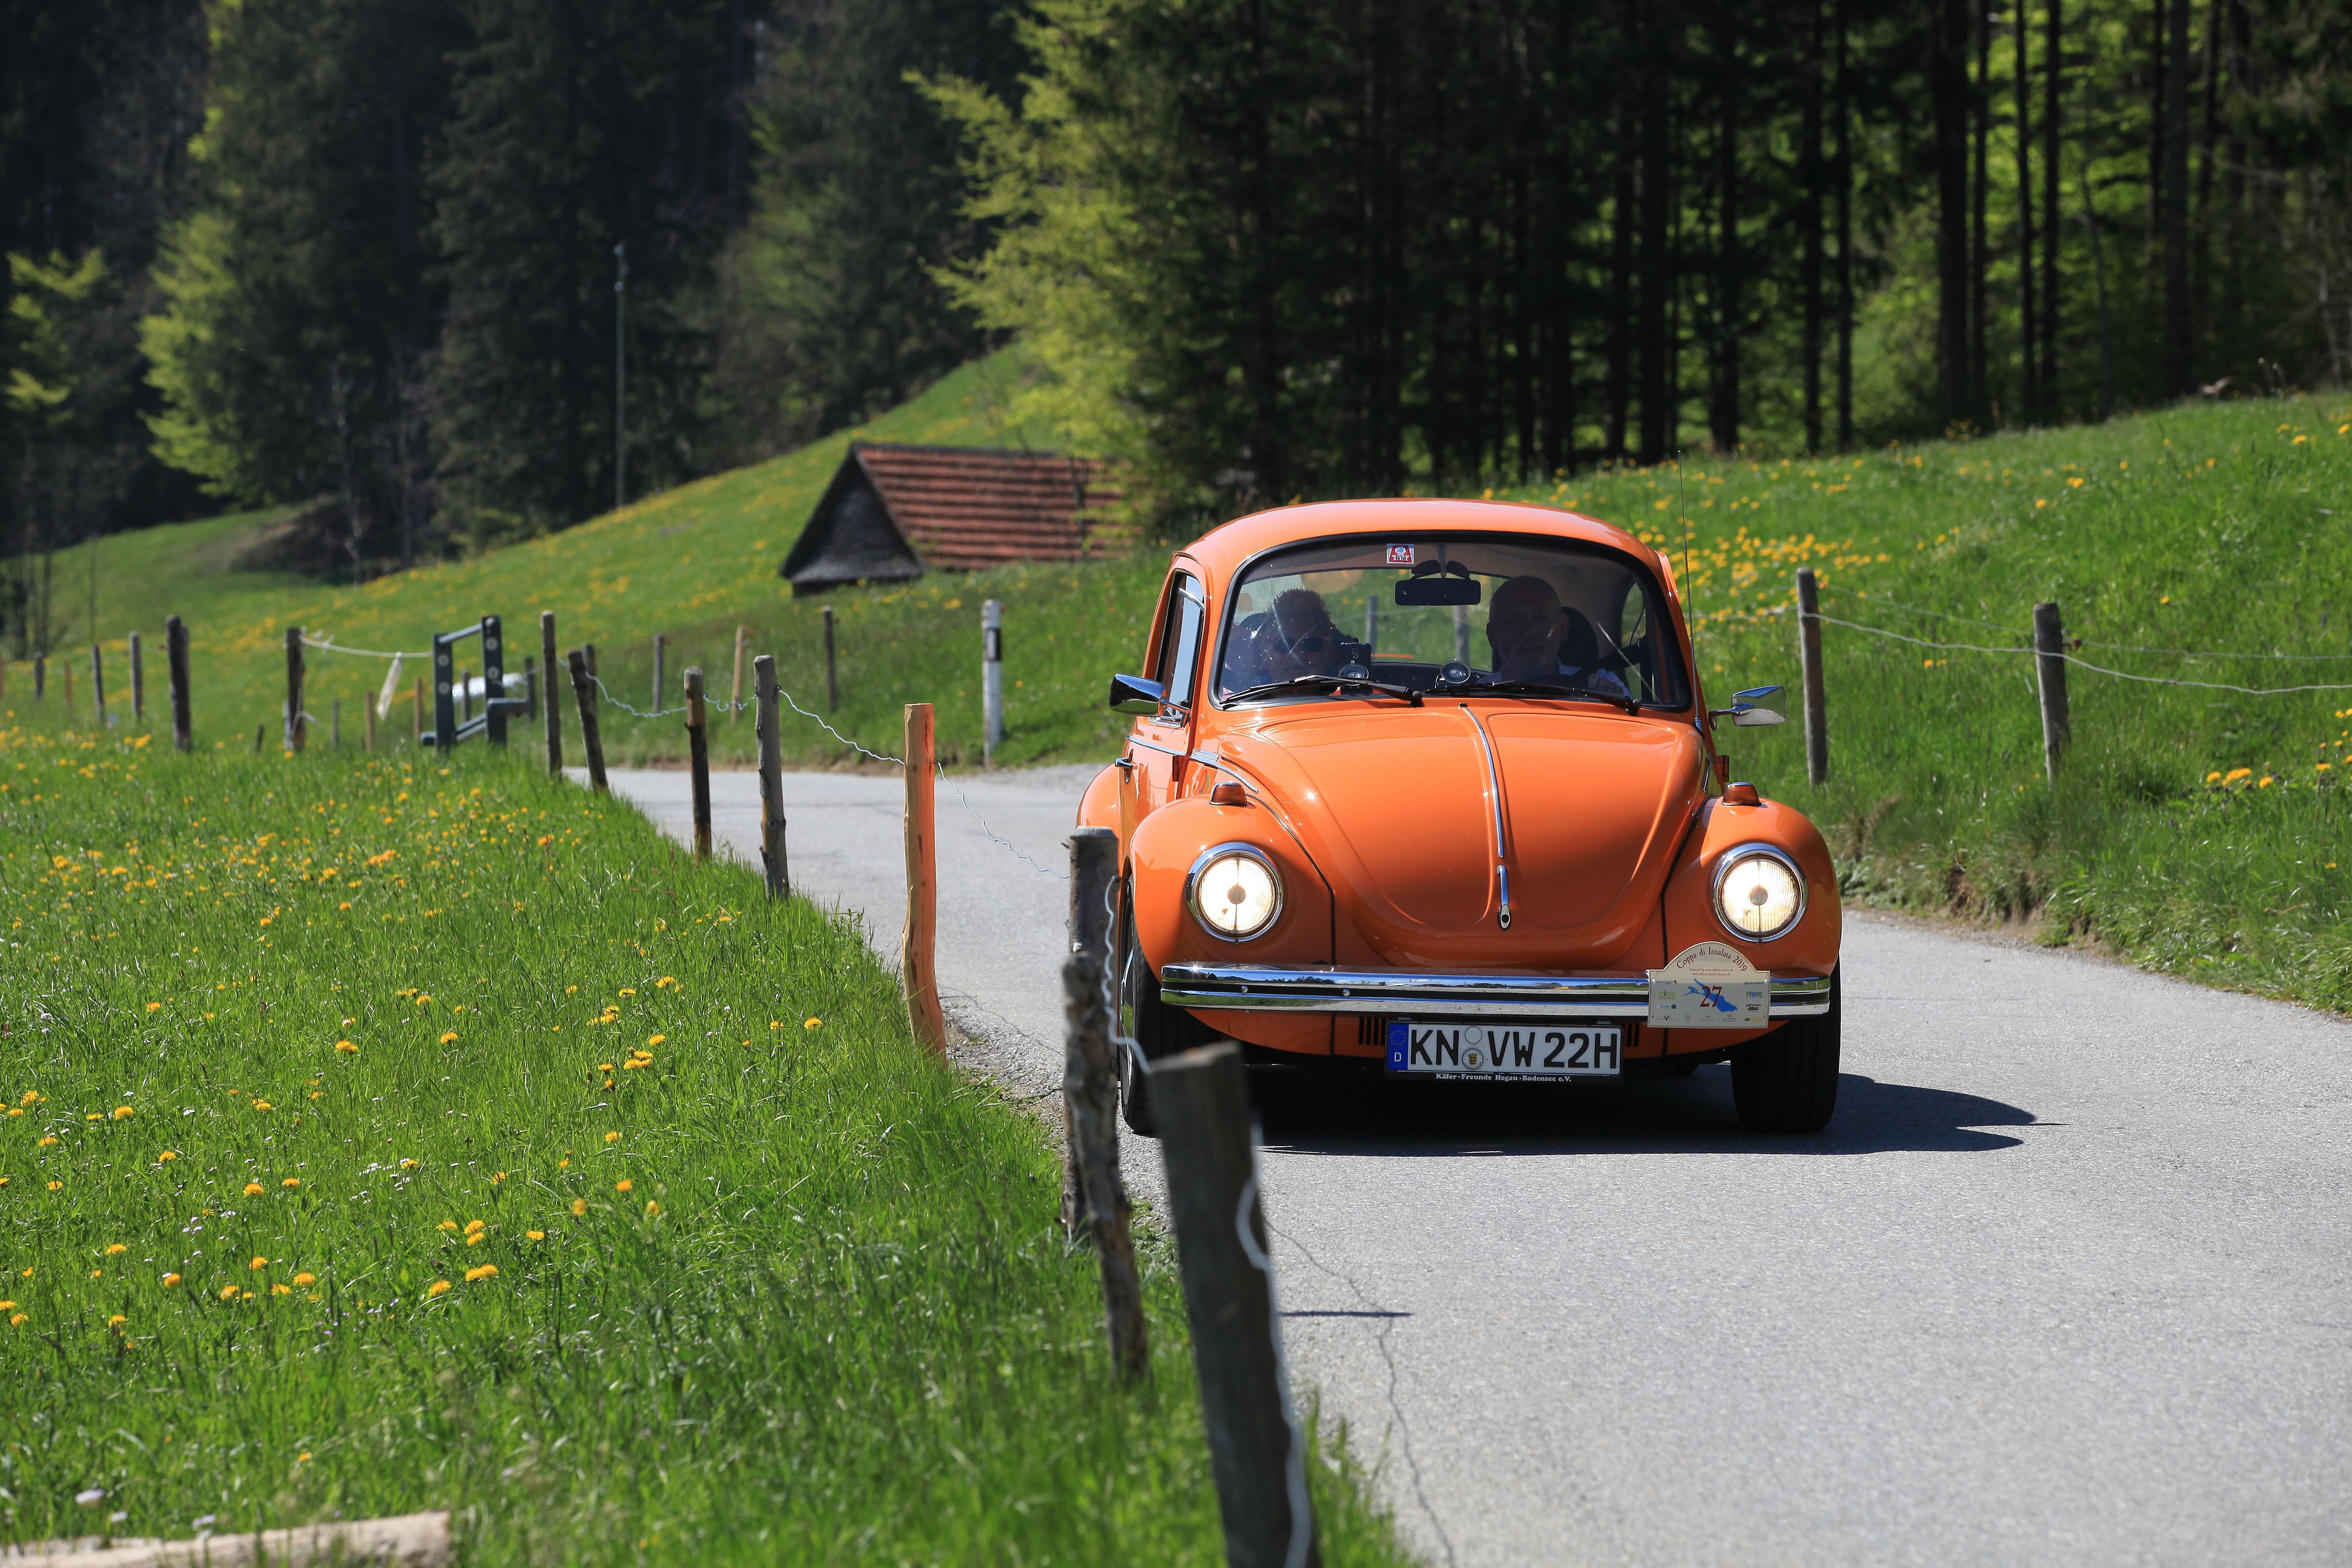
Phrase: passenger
x=1536 y=637
x=1299 y=638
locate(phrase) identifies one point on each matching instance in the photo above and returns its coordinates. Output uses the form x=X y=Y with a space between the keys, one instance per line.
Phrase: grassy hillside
x=2218 y=529
x=384 y=1135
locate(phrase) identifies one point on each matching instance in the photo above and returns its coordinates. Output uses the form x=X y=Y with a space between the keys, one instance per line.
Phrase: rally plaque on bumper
x=1502 y=1051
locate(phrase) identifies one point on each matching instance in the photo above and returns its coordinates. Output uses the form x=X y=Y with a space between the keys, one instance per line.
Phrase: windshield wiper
x=1550 y=688
x=1310 y=682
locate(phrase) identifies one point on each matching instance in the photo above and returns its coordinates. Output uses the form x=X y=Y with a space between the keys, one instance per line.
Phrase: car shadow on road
x=1309 y=1114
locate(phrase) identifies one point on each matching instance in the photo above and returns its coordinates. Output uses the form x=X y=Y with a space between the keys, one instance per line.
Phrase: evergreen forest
x=450 y=273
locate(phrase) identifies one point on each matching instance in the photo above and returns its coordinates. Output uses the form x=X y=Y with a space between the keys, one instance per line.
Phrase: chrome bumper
x=1266 y=988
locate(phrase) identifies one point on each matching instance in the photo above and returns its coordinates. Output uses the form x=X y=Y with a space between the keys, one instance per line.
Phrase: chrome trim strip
x=1270 y=988
x=1495 y=800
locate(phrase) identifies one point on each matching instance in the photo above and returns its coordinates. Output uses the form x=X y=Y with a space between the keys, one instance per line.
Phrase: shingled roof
x=893 y=512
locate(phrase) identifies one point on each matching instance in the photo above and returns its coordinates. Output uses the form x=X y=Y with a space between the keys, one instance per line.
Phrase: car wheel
x=1788 y=1081
x=1158 y=1029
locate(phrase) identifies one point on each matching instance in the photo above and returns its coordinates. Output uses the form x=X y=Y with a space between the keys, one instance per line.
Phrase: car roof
x=1224 y=549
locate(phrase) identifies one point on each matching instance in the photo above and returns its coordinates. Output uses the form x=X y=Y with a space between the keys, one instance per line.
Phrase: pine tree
x=576 y=127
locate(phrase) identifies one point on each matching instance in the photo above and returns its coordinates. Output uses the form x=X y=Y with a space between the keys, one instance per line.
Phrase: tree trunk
x=1656 y=278
x=1949 y=85
x=1808 y=153
x=1981 y=244
x=2022 y=92
x=2053 y=68
x=1844 y=239
x=2179 y=368
x=1725 y=420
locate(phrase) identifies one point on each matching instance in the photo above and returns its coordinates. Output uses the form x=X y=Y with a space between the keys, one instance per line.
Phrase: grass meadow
x=2197 y=830
x=384 y=1135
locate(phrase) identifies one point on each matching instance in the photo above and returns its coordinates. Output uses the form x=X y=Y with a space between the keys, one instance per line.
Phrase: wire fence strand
x=2081 y=663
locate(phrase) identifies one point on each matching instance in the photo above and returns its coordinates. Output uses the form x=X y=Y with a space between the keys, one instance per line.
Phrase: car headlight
x=1234 y=891
x=1759 y=892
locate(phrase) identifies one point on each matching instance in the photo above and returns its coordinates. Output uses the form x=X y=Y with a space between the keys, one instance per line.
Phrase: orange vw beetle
x=1428 y=788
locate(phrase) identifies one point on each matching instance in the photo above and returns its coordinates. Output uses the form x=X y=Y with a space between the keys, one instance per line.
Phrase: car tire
x=1158 y=1029
x=1788 y=1081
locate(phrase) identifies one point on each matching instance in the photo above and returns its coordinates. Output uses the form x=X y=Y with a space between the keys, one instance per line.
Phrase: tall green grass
x=384 y=1135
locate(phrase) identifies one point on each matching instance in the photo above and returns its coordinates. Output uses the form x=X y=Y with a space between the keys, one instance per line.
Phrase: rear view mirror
x=1133 y=694
x=1751 y=718
x=1438 y=591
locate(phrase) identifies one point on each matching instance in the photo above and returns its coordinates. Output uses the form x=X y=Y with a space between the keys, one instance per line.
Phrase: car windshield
x=1438 y=613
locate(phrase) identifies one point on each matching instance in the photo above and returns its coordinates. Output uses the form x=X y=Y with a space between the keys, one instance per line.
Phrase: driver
x=1536 y=637
x=1299 y=637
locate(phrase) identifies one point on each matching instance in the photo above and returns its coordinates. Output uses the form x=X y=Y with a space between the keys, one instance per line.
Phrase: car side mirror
x=1751 y=718
x=1133 y=694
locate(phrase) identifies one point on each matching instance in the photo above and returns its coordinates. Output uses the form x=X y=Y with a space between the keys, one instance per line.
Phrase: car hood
x=1397 y=808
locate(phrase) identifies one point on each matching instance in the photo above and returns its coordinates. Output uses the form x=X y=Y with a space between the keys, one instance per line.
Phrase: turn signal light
x=1741 y=794
x=1228 y=793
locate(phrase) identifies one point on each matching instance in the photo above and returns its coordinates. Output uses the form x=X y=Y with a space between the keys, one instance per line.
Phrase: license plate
x=1504 y=1052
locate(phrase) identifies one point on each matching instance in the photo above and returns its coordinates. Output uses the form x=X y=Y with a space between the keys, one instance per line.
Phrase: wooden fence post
x=529 y=688
x=770 y=728
x=589 y=738
x=138 y=681
x=832 y=684
x=176 y=667
x=65 y=672
x=337 y=729
x=919 y=974
x=661 y=656
x=1090 y=1096
x=40 y=675
x=416 y=712
x=258 y=731
x=697 y=756
x=1256 y=1446
x=992 y=680
x=367 y=706
x=2050 y=666
x=293 y=688
x=735 y=696
x=554 y=707
x=1809 y=669
x=98 y=685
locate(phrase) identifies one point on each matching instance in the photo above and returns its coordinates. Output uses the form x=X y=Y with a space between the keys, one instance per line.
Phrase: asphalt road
x=2068 y=1280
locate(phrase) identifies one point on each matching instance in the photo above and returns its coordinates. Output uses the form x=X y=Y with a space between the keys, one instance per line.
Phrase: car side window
x=1180 y=640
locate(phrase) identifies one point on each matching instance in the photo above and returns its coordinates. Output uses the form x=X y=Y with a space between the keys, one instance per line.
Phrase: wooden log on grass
x=1256 y=1445
x=590 y=741
x=772 y=774
x=405 y=1540
x=554 y=708
x=1091 y=1097
x=698 y=757
x=176 y=664
x=919 y=970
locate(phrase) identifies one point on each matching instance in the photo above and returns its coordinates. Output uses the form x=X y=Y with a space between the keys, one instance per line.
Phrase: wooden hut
x=893 y=512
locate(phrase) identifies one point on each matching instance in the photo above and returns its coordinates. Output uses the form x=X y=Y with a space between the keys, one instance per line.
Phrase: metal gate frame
x=491 y=722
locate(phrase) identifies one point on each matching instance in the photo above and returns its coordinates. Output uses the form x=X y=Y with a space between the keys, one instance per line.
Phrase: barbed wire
x=2111 y=646
x=2083 y=663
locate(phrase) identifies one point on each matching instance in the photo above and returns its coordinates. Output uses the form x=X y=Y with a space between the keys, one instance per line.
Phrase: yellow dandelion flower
x=563 y=1164
x=535 y=1235
x=622 y=1186
x=775 y=1023
x=291 y=1182
x=448 y=1036
x=258 y=1264
x=261 y=1105
x=122 y=1113
x=46 y=1141
x=228 y=1293
x=611 y=1138
x=56 y=1186
x=603 y=1067
x=2213 y=777
x=813 y=1024
x=281 y=1289
x=472 y=1226
x=448 y=1225
x=628 y=991
x=117 y=1320
x=16 y=1321
x=306 y=1279
x=486 y=1271
x=253 y=1189
x=348 y=1048
x=438 y=1287
x=97 y=1273
x=170 y=1280
x=579 y=1207
x=656 y=1039
x=652 y=1207
x=154 y=1006
x=166 y=1157
x=303 y=1458
x=116 y=1249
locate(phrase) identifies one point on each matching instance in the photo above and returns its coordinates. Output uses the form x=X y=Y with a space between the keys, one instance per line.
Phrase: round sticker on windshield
x=1399 y=554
